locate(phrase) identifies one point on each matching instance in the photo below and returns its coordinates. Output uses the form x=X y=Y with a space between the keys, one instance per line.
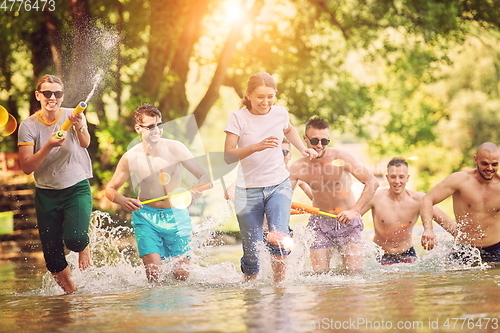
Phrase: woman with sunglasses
x=61 y=167
x=254 y=135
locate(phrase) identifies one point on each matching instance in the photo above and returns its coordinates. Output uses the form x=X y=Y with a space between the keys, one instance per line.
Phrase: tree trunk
x=212 y=93
x=166 y=18
x=174 y=103
x=119 y=62
x=52 y=27
x=82 y=68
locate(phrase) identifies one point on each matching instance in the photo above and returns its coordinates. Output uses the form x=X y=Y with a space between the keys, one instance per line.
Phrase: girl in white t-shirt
x=254 y=135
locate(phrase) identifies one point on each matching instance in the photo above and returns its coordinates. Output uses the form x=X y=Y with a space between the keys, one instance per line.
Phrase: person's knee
x=353 y=262
x=76 y=243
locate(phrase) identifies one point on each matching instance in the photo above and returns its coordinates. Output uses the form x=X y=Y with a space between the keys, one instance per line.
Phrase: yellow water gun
x=67 y=123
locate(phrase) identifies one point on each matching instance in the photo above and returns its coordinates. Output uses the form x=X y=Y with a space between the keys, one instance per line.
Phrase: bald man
x=476 y=204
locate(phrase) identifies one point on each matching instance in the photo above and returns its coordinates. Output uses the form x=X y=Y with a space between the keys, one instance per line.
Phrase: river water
x=432 y=295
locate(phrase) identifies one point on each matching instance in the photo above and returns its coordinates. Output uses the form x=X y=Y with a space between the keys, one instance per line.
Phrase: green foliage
x=308 y=54
x=434 y=163
x=8 y=144
x=113 y=141
x=450 y=111
x=407 y=75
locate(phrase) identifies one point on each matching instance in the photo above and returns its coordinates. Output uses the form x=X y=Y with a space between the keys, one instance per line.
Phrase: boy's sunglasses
x=315 y=141
x=48 y=93
x=285 y=152
x=152 y=126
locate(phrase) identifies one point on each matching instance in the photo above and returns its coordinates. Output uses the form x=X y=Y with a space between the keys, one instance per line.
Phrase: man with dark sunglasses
x=155 y=166
x=330 y=178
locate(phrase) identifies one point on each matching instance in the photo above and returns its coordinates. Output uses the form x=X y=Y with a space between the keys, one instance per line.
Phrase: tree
x=347 y=61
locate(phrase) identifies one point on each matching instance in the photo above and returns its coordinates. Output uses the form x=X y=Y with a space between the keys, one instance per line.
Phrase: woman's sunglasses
x=48 y=93
x=315 y=141
x=152 y=127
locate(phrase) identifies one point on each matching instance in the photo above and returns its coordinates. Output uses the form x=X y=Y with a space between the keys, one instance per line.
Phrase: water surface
x=431 y=295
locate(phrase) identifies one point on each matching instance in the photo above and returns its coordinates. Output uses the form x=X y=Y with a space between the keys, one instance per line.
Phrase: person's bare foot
x=63 y=279
x=84 y=259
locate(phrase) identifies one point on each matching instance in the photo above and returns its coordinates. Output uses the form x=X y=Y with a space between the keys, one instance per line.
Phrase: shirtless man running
x=162 y=230
x=330 y=178
x=395 y=211
x=476 y=204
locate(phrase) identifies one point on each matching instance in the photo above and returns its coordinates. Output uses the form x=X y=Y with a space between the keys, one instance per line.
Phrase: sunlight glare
x=233 y=11
x=181 y=198
x=338 y=162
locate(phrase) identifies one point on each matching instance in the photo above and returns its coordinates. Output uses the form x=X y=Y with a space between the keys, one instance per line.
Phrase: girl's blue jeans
x=252 y=205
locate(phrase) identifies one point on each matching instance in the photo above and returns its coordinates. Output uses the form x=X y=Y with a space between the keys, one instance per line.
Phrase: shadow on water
x=431 y=295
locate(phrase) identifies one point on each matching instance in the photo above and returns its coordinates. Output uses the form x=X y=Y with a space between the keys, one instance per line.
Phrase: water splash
x=98 y=57
x=117 y=268
x=97 y=79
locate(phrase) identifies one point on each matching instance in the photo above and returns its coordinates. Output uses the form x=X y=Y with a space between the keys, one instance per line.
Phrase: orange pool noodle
x=9 y=127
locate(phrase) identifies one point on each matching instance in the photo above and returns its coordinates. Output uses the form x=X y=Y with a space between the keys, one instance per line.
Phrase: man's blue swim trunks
x=164 y=231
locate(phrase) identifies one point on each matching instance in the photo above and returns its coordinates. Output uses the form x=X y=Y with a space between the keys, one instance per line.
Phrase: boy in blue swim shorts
x=165 y=231
x=162 y=227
